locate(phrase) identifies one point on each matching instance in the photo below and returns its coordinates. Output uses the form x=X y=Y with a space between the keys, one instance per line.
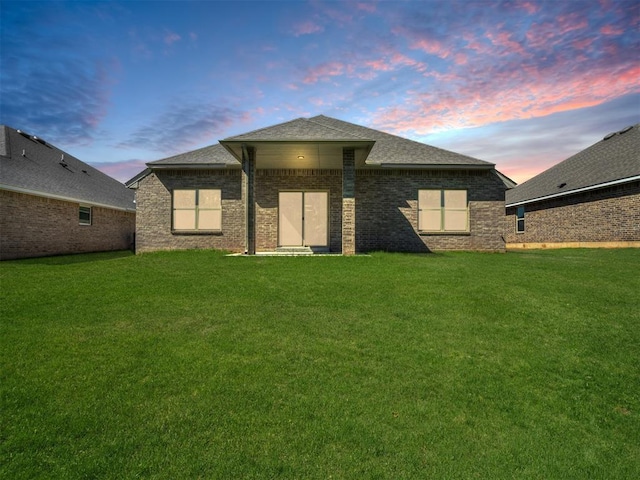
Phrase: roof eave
x=574 y=191
x=188 y=166
x=435 y=166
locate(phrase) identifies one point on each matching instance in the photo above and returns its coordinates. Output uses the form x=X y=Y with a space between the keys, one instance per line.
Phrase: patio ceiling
x=300 y=154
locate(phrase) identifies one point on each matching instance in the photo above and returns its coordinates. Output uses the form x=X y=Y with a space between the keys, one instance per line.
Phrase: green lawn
x=197 y=365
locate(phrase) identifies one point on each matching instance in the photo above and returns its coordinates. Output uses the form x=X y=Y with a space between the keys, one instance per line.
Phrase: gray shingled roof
x=211 y=155
x=616 y=158
x=301 y=130
x=31 y=165
x=387 y=149
x=395 y=150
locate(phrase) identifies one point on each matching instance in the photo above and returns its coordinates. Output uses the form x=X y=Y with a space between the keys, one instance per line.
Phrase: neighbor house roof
x=613 y=160
x=33 y=166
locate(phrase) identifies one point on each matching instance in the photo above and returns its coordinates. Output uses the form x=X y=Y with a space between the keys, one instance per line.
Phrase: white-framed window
x=84 y=215
x=520 y=219
x=443 y=211
x=197 y=210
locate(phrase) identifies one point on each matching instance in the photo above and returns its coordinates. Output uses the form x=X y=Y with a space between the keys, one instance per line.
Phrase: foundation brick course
x=33 y=226
x=606 y=216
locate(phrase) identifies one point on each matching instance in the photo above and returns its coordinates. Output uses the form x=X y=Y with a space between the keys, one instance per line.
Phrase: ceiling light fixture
x=300 y=157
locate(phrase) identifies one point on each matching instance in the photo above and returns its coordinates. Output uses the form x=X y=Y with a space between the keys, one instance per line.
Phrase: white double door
x=303 y=219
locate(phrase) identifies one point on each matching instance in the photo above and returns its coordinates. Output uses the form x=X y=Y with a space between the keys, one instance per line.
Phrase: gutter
x=434 y=166
x=187 y=166
x=63 y=198
x=577 y=190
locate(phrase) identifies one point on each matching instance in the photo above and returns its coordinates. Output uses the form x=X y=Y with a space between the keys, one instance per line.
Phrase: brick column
x=248 y=193
x=348 y=201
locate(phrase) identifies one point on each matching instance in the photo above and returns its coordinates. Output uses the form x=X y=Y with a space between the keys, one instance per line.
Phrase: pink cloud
x=121 y=171
x=505 y=41
x=530 y=7
x=510 y=95
x=545 y=35
x=306 y=28
x=582 y=44
x=460 y=59
x=367 y=7
x=171 y=38
x=431 y=46
x=611 y=30
x=379 y=65
x=323 y=72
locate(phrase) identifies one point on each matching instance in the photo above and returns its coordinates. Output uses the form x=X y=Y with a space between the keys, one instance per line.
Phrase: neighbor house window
x=197 y=210
x=443 y=211
x=520 y=220
x=84 y=215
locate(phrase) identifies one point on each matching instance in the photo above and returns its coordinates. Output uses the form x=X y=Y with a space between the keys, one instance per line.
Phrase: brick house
x=591 y=199
x=319 y=185
x=51 y=203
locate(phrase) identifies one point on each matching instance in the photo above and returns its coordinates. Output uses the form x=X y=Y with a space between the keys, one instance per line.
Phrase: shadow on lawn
x=77 y=258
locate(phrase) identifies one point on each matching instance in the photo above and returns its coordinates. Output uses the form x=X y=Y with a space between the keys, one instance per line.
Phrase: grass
x=197 y=365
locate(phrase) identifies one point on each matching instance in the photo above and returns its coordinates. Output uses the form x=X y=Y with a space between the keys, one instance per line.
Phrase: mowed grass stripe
x=198 y=365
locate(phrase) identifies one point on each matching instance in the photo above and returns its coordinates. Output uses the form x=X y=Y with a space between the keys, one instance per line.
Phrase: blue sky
x=523 y=84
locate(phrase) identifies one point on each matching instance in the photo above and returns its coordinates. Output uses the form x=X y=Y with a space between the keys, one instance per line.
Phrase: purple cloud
x=184 y=126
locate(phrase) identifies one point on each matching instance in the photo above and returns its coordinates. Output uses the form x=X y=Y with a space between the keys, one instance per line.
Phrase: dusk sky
x=522 y=84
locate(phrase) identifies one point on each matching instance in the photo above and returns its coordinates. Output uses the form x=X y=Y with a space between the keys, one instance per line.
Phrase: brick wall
x=270 y=182
x=387 y=210
x=32 y=226
x=153 y=211
x=606 y=215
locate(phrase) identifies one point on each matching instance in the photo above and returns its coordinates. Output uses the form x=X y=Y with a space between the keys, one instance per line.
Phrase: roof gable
x=298 y=130
x=28 y=164
x=613 y=159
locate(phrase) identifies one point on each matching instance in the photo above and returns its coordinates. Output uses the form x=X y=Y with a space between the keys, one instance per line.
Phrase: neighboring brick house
x=591 y=199
x=52 y=203
x=319 y=185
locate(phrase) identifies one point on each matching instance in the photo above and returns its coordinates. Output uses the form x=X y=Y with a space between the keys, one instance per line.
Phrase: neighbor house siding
x=154 y=211
x=387 y=210
x=34 y=226
x=609 y=216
